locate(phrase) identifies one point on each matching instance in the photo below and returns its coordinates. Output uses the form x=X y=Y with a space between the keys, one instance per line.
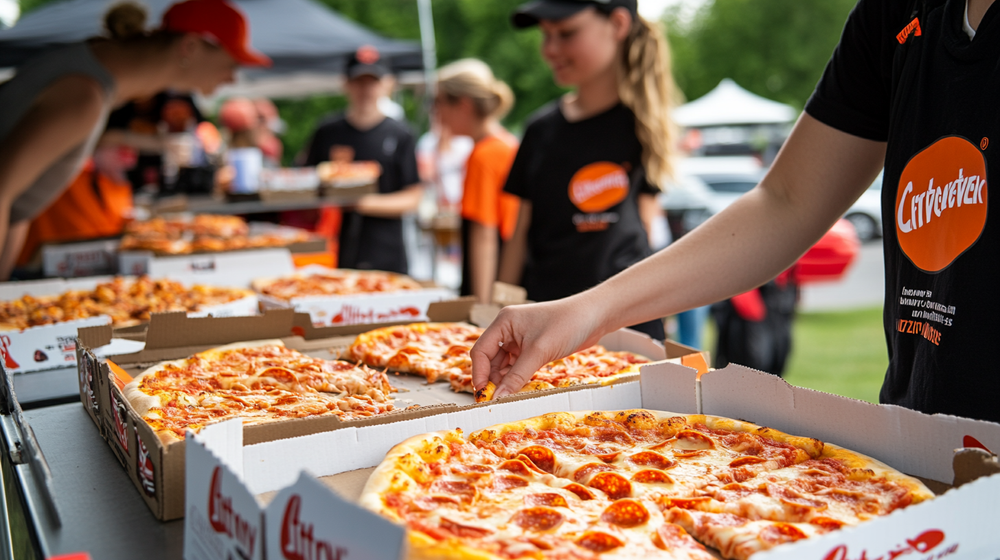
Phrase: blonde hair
x=474 y=80
x=646 y=86
x=126 y=20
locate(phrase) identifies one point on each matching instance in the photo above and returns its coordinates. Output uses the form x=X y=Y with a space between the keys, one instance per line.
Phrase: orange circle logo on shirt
x=598 y=186
x=941 y=203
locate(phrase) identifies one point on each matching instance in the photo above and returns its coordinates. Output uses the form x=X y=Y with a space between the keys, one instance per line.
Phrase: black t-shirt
x=906 y=73
x=583 y=180
x=367 y=242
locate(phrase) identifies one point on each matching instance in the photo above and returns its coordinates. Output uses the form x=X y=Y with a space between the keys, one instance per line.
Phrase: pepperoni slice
x=681 y=454
x=547 y=499
x=503 y=483
x=541 y=457
x=748 y=460
x=464 y=531
x=516 y=467
x=652 y=476
x=598 y=542
x=471 y=470
x=583 y=472
x=670 y=536
x=431 y=503
x=529 y=463
x=652 y=459
x=580 y=491
x=625 y=513
x=612 y=484
x=826 y=523
x=779 y=533
x=690 y=440
x=464 y=490
x=794 y=499
x=608 y=457
x=538 y=519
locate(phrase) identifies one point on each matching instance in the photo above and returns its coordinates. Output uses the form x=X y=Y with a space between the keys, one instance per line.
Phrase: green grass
x=842 y=353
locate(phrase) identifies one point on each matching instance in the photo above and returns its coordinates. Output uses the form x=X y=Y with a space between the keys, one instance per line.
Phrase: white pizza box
x=333 y=311
x=305 y=520
x=106 y=364
x=84 y=258
x=961 y=523
x=54 y=346
x=237 y=268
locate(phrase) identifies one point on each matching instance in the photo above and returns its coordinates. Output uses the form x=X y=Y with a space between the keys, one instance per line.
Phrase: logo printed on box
x=119 y=414
x=8 y=360
x=351 y=315
x=922 y=543
x=144 y=467
x=224 y=520
x=297 y=541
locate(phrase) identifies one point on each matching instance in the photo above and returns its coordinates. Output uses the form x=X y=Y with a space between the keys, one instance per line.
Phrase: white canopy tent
x=729 y=104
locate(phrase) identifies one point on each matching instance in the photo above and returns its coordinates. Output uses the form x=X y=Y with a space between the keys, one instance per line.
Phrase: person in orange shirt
x=470 y=102
x=96 y=204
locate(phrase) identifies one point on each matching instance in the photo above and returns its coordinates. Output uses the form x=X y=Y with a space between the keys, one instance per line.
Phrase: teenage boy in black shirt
x=371 y=235
x=912 y=86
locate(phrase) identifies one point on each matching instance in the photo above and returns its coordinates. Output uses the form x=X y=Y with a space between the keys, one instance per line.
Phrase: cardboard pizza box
x=959 y=523
x=54 y=346
x=236 y=268
x=157 y=470
x=334 y=311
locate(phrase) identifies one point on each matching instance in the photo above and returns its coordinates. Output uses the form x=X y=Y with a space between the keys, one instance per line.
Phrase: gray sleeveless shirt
x=17 y=97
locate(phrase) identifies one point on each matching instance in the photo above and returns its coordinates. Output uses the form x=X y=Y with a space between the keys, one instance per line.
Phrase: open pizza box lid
x=958 y=524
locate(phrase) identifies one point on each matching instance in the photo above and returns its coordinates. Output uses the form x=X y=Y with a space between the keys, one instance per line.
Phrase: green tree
x=774 y=48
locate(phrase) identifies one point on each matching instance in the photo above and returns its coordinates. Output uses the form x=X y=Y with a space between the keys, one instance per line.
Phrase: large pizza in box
x=632 y=484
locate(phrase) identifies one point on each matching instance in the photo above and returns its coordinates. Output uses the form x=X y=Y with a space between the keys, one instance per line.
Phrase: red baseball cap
x=218 y=20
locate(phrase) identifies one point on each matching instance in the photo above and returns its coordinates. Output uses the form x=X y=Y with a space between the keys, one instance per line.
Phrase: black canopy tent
x=308 y=42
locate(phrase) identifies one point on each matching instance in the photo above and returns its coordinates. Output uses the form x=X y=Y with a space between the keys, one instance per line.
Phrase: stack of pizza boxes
x=271 y=486
x=54 y=346
x=157 y=470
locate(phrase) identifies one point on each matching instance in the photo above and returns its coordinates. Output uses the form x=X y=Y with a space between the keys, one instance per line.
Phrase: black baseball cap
x=529 y=14
x=366 y=61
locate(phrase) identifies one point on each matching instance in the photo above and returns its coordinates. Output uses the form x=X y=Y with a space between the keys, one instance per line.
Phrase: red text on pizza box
x=364 y=308
x=304 y=520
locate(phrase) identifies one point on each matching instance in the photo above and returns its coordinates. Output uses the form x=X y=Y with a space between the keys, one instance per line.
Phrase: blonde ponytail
x=126 y=20
x=473 y=79
x=646 y=86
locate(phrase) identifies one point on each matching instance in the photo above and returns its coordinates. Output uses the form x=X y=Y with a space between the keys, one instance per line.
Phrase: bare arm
x=818 y=174
x=483 y=252
x=62 y=117
x=649 y=211
x=516 y=248
x=391 y=205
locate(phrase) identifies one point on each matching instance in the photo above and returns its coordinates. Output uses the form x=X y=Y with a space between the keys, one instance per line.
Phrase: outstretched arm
x=819 y=172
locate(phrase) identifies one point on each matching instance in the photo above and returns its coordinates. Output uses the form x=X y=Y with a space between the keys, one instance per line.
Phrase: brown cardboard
x=972 y=463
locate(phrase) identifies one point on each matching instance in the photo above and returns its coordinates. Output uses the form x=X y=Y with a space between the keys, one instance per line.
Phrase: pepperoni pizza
x=629 y=484
x=336 y=282
x=439 y=350
x=259 y=382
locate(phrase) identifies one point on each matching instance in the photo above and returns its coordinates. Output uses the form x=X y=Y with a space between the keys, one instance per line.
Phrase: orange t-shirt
x=483 y=200
x=79 y=213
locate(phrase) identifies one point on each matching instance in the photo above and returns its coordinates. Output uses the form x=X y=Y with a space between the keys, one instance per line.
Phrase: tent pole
x=429 y=47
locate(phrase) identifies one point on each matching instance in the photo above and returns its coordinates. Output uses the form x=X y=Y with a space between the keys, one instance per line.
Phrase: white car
x=704 y=186
x=866 y=213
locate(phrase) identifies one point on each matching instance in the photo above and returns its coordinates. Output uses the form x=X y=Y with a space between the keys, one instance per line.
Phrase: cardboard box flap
x=635 y=342
x=482 y=315
x=450 y=311
x=300 y=524
x=670 y=387
x=972 y=463
x=508 y=294
x=95 y=337
x=171 y=330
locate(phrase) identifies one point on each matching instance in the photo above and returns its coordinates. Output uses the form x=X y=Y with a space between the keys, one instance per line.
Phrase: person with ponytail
x=56 y=106
x=470 y=102
x=589 y=164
